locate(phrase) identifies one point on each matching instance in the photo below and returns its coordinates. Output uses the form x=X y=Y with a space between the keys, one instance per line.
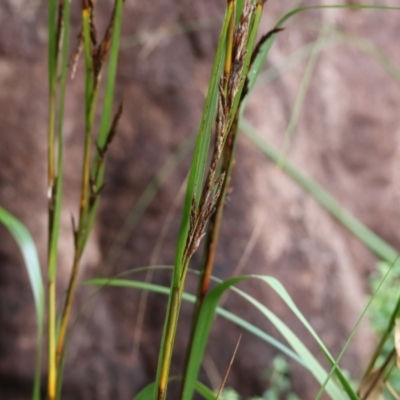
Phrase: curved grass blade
x=374 y=242
x=207 y=317
x=284 y=295
x=29 y=253
x=353 y=333
x=103 y=282
x=194 y=187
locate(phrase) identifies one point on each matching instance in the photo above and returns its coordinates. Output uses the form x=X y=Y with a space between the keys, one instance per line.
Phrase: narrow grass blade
x=52 y=75
x=375 y=243
x=315 y=368
x=56 y=212
x=95 y=56
x=106 y=115
x=206 y=318
x=281 y=291
x=206 y=392
x=103 y=282
x=391 y=324
x=57 y=198
x=193 y=190
x=205 y=323
x=197 y=170
x=352 y=335
x=29 y=253
x=88 y=62
x=200 y=337
x=58 y=48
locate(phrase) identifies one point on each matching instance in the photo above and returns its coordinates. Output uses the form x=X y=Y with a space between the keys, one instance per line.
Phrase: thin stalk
x=385 y=336
x=171 y=323
x=51 y=141
x=67 y=309
x=193 y=192
x=240 y=45
x=378 y=376
x=215 y=226
x=211 y=243
x=57 y=43
x=92 y=84
x=225 y=172
x=52 y=378
x=112 y=42
x=52 y=260
x=52 y=71
x=229 y=369
x=80 y=233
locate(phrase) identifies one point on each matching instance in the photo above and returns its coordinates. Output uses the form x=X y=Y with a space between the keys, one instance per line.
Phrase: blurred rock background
x=347 y=138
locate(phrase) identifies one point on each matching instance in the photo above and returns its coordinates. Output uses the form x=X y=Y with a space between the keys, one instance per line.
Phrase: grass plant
x=238 y=63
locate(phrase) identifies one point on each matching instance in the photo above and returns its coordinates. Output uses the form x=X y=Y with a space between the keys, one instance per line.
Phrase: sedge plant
x=238 y=62
x=95 y=54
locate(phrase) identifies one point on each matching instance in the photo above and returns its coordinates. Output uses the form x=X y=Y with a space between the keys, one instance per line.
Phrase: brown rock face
x=347 y=138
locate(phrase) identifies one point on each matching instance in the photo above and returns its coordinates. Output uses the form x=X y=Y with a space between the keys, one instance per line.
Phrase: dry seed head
x=228 y=88
x=242 y=30
x=239 y=51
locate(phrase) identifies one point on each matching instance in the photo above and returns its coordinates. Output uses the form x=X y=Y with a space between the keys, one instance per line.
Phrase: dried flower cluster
x=229 y=87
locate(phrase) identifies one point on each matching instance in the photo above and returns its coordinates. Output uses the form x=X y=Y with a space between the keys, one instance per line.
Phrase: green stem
x=80 y=234
x=67 y=309
x=52 y=374
x=211 y=244
x=171 y=326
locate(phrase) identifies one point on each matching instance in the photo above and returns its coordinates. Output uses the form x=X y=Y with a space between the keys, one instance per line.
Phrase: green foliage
x=279 y=381
x=205 y=188
x=382 y=307
x=29 y=253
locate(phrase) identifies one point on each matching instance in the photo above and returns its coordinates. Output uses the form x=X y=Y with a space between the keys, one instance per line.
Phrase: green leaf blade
x=28 y=250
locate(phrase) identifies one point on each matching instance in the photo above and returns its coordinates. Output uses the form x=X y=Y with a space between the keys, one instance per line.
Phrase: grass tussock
x=239 y=60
